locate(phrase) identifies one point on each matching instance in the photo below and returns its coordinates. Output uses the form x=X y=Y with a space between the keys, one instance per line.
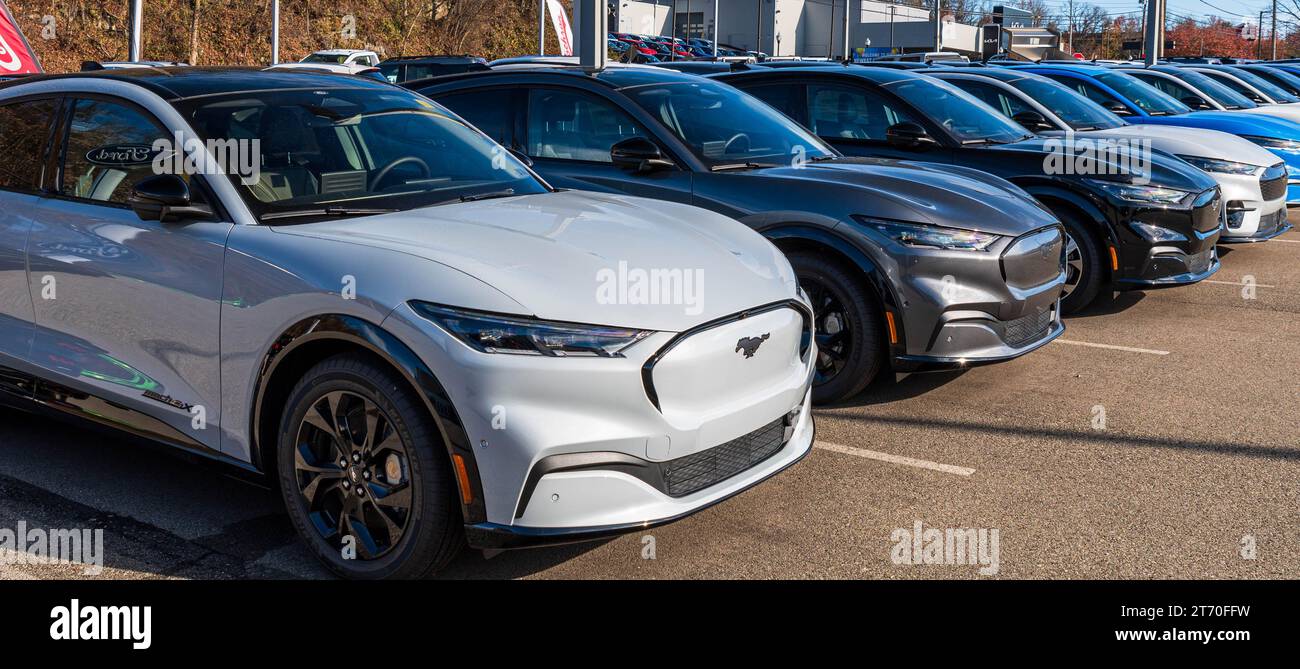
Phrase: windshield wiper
x=327 y=211
x=740 y=166
x=981 y=140
x=487 y=196
x=818 y=159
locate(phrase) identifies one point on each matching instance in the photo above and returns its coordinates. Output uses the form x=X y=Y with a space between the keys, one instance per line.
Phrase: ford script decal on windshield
x=122 y=155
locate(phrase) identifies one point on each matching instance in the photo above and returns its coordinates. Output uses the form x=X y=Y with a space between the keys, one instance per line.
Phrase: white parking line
x=1286 y=241
x=1112 y=347
x=896 y=459
x=1237 y=283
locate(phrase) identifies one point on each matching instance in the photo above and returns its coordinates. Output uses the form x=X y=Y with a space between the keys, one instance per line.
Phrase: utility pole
x=715 y=28
x=939 y=25
x=275 y=31
x=137 y=24
x=1273 y=32
x=1151 y=37
x=1143 y=30
x=1259 y=35
x=892 y=7
x=846 y=29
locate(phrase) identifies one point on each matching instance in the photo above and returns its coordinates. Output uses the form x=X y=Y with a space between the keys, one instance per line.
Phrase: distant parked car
x=410 y=68
x=354 y=58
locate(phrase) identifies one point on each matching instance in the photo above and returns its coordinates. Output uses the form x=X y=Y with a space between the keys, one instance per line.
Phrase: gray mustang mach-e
x=921 y=265
x=385 y=313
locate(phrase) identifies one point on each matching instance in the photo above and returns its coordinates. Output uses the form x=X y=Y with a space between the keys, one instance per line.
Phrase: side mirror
x=523 y=157
x=1119 y=108
x=1032 y=121
x=639 y=154
x=165 y=198
x=909 y=135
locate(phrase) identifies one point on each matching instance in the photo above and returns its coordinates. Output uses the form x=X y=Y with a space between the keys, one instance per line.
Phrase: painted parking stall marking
x=895 y=459
x=1111 y=347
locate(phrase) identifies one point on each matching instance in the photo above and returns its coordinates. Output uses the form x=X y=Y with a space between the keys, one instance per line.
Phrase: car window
x=786 y=98
x=491 y=111
x=370 y=147
x=1225 y=96
x=109 y=149
x=1237 y=87
x=24 y=130
x=992 y=96
x=575 y=126
x=1088 y=90
x=1163 y=85
x=851 y=112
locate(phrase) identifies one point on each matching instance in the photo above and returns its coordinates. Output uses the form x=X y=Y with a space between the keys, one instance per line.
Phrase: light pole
x=137 y=24
x=275 y=31
x=846 y=30
x=715 y=28
x=892 y=7
x=541 y=26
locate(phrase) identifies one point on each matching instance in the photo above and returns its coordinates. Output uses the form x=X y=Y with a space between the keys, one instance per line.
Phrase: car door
x=127 y=311
x=854 y=119
x=568 y=133
x=25 y=128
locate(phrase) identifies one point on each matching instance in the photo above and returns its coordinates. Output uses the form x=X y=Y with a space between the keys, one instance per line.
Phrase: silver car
x=334 y=282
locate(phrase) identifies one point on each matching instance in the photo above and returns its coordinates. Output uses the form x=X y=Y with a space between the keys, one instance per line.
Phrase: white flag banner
x=563 y=30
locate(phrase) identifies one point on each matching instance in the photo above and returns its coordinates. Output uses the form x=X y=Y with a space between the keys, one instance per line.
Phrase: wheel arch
x=316 y=338
x=1084 y=211
x=802 y=237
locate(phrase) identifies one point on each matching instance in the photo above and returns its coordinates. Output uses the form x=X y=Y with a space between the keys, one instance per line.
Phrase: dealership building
x=815 y=28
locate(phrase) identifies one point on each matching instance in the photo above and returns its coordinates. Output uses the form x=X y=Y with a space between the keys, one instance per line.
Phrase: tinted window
x=108 y=151
x=1171 y=88
x=1087 y=89
x=1266 y=87
x=851 y=112
x=575 y=126
x=787 y=98
x=1225 y=96
x=1145 y=97
x=992 y=96
x=725 y=127
x=354 y=149
x=966 y=118
x=1076 y=110
x=24 y=130
x=491 y=111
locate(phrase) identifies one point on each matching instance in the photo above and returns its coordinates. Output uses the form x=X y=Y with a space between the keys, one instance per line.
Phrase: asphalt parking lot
x=1157 y=439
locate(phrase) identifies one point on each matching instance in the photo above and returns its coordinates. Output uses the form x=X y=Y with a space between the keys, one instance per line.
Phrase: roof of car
x=999 y=73
x=615 y=75
x=880 y=75
x=174 y=83
x=1081 y=68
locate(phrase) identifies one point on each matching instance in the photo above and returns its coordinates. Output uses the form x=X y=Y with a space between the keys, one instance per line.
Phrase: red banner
x=16 y=55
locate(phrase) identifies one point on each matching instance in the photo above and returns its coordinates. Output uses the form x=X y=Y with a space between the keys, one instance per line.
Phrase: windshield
x=725 y=127
x=1076 y=110
x=1278 y=77
x=961 y=114
x=1147 y=97
x=1265 y=86
x=345 y=149
x=1214 y=90
x=338 y=59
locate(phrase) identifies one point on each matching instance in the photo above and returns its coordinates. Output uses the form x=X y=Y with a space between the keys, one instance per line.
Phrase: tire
x=403 y=478
x=847 y=315
x=1085 y=274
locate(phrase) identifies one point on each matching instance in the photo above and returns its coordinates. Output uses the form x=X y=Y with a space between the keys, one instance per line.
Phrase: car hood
x=1166 y=170
x=1239 y=122
x=928 y=193
x=577 y=256
x=1190 y=142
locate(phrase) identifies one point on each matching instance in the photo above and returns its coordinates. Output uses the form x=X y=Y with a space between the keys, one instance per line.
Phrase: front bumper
x=962 y=308
x=1147 y=264
x=613 y=423
x=1248 y=216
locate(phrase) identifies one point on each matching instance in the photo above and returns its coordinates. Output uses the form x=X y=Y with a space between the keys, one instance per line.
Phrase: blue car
x=1139 y=102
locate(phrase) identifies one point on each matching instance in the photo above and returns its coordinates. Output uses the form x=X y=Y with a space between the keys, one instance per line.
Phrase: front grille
x=1270 y=222
x=698 y=471
x=1272 y=184
x=1200 y=262
x=1025 y=329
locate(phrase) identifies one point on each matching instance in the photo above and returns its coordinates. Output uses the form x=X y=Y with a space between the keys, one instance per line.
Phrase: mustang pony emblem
x=750 y=344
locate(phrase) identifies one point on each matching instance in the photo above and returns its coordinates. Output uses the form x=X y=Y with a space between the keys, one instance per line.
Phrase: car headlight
x=931 y=236
x=494 y=333
x=1274 y=143
x=1137 y=194
x=1224 y=166
x=1155 y=233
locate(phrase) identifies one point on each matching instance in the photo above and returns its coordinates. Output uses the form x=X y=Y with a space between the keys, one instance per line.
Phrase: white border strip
x=1112 y=347
x=895 y=459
